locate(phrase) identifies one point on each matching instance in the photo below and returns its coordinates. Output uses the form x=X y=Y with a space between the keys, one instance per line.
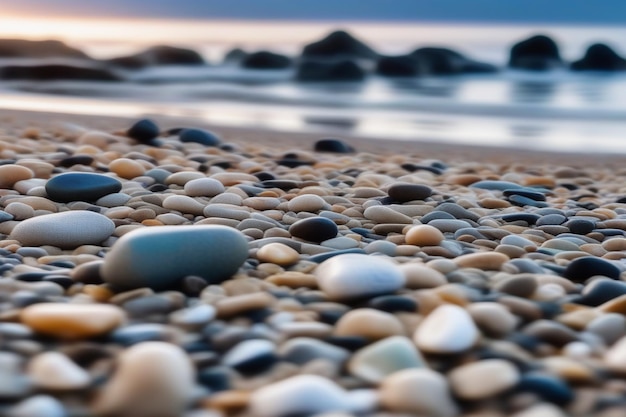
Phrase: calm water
x=554 y=111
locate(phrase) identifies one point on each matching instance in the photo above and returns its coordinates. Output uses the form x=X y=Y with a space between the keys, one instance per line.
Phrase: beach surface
x=166 y=268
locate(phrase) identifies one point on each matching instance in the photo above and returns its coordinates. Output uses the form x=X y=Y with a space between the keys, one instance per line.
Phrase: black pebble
x=352 y=343
x=70 y=161
x=143 y=131
x=580 y=227
x=321 y=257
x=332 y=145
x=200 y=136
x=404 y=192
x=533 y=195
x=216 y=378
x=284 y=185
x=314 y=229
x=547 y=387
x=520 y=200
x=529 y=218
x=393 y=303
x=600 y=291
x=580 y=269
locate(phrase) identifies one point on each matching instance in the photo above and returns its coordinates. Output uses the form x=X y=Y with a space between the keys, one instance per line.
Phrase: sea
x=554 y=111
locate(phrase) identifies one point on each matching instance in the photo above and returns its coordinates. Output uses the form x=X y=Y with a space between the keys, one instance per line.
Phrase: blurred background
x=517 y=73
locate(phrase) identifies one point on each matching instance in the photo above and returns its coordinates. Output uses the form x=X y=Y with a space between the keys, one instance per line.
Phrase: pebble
x=250 y=356
x=38 y=406
x=579 y=270
x=72 y=321
x=447 y=329
x=493 y=319
x=10 y=174
x=405 y=192
x=126 y=168
x=184 y=204
x=300 y=350
x=151 y=379
x=278 y=254
x=203 y=137
x=144 y=131
x=56 y=372
x=81 y=186
x=369 y=323
x=308 y=202
x=159 y=258
x=332 y=145
x=424 y=235
x=482 y=260
x=203 y=187
x=378 y=360
x=353 y=276
x=66 y=230
x=383 y=214
x=483 y=379
x=314 y=229
x=298 y=395
x=418 y=391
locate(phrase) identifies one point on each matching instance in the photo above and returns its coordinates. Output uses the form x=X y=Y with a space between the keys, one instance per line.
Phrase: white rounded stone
x=447 y=329
x=351 y=276
x=207 y=187
x=55 y=371
x=38 y=406
x=306 y=202
x=66 y=230
x=418 y=391
x=303 y=394
x=152 y=379
x=183 y=204
x=483 y=379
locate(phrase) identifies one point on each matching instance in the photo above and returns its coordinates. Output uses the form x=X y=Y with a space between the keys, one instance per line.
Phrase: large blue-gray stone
x=160 y=257
x=81 y=186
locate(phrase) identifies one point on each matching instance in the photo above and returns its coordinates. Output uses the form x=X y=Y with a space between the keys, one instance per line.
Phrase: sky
x=520 y=11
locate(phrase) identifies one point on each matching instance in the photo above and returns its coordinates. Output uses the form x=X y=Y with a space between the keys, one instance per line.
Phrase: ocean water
x=553 y=111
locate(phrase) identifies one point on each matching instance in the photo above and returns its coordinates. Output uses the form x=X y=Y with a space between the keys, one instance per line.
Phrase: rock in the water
x=535 y=53
x=418 y=391
x=398 y=66
x=314 y=229
x=56 y=372
x=298 y=395
x=200 y=136
x=66 y=230
x=353 y=276
x=152 y=379
x=483 y=379
x=340 y=71
x=81 y=186
x=375 y=362
x=599 y=57
x=339 y=44
x=159 y=258
x=21 y=48
x=443 y=61
x=72 y=321
x=144 y=130
x=52 y=72
x=159 y=55
x=580 y=269
x=265 y=60
x=447 y=329
x=332 y=145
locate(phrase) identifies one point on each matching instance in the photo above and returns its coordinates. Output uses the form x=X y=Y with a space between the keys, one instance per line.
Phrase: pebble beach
x=165 y=268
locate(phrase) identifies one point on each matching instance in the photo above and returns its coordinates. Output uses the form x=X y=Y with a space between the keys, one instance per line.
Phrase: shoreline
x=424 y=149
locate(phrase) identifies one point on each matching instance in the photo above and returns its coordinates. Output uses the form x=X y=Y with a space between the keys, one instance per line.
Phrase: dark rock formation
x=159 y=55
x=53 y=72
x=398 y=66
x=338 y=45
x=329 y=71
x=600 y=57
x=537 y=53
x=19 y=48
x=235 y=55
x=265 y=60
x=443 y=61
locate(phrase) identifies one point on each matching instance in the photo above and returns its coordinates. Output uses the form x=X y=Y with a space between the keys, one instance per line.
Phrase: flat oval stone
x=203 y=137
x=483 y=379
x=278 y=254
x=208 y=187
x=482 y=260
x=66 y=230
x=424 y=235
x=404 y=192
x=418 y=392
x=314 y=229
x=10 y=174
x=369 y=323
x=72 y=321
x=151 y=379
x=383 y=214
x=447 y=329
x=38 y=406
x=353 y=276
x=332 y=145
x=497 y=185
x=160 y=257
x=306 y=202
x=580 y=269
x=81 y=186
x=599 y=291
